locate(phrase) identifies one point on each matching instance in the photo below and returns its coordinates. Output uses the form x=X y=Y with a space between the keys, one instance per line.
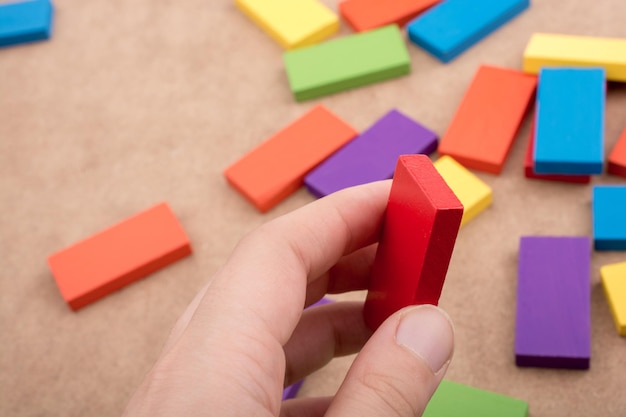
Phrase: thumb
x=400 y=367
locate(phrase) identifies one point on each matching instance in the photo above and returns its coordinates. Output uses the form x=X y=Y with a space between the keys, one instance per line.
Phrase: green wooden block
x=348 y=62
x=457 y=400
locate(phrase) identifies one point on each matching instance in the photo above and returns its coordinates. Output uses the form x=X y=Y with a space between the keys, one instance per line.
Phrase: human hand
x=245 y=336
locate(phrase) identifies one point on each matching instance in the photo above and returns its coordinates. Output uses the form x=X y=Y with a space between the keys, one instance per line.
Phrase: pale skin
x=245 y=336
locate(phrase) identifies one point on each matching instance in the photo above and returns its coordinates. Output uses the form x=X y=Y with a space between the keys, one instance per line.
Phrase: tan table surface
x=133 y=103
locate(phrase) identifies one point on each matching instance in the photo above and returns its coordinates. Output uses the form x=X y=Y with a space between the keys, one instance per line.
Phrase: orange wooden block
x=617 y=159
x=364 y=15
x=277 y=167
x=484 y=127
x=118 y=256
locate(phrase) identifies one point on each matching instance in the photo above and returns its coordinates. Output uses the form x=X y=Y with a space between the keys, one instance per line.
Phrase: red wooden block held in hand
x=421 y=224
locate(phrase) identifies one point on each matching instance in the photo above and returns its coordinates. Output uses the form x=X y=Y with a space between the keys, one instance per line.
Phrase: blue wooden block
x=609 y=209
x=25 y=21
x=569 y=132
x=452 y=26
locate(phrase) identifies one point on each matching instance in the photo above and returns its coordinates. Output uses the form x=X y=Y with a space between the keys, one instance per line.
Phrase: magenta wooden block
x=553 y=323
x=373 y=155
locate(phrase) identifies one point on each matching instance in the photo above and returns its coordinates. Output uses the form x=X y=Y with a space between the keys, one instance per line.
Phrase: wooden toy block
x=372 y=156
x=292 y=23
x=453 y=400
x=473 y=193
x=608 y=207
x=553 y=323
x=25 y=21
x=119 y=255
x=420 y=227
x=529 y=166
x=614 y=284
x=276 y=168
x=364 y=15
x=617 y=158
x=486 y=122
x=554 y=50
x=569 y=128
x=453 y=26
x=348 y=62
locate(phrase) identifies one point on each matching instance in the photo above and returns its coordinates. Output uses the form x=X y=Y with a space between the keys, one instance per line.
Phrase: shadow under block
x=553 y=321
x=614 y=284
x=617 y=158
x=292 y=23
x=276 y=168
x=25 y=21
x=454 y=400
x=372 y=156
x=420 y=228
x=348 y=62
x=553 y=50
x=529 y=166
x=364 y=15
x=453 y=26
x=609 y=214
x=119 y=255
x=473 y=193
x=486 y=122
x=569 y=124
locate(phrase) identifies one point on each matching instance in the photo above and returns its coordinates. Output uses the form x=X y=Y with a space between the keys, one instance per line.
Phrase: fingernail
x=427 y=332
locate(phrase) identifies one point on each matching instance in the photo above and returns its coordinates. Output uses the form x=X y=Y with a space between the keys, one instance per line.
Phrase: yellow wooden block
x=614 y=283
x=292 y=23
x=473 y=193
x=545 y=49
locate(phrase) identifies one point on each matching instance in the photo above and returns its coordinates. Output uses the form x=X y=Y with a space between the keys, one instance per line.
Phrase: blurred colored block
x=609 y=215
x=25 y=21
x=373 y=155
x=453 y=26
x=348 y=62
x=617 y=158
x=553 y=323
x=276 y=168
x=292 y=23
x=614 y=284
x=554 y=50
x=364 y=15
x=569 y=130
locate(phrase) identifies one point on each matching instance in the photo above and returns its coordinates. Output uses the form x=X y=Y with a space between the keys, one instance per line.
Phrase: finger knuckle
x=392 y=394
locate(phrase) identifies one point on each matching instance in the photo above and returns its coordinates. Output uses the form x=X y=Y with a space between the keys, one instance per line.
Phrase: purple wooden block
x=292 y=390
x=553 y=324
x=372 y=156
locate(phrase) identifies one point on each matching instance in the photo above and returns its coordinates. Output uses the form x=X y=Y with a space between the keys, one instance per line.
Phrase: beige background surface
x=136 y=102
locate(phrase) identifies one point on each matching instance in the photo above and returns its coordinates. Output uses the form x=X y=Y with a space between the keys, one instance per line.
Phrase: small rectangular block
x=473 y=193
x=348 y=62
x=25 y=21
x=486 y=122
x=364 y=15
x=569 y=129
x=276 y=168
x=292 y=23
x=529 y=166
x=614 y=284
x=554 y=50
x=119 y=255
x=452 y=400
x=617 y=158
x=453 y=26
x=373 y=155
x=420 y=228
x=609 y=209
x=553 y=321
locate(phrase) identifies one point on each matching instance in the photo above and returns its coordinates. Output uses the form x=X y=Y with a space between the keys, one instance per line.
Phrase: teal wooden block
x=25 y=21
x=608 y=207
x=348 y=62
x=457 y=400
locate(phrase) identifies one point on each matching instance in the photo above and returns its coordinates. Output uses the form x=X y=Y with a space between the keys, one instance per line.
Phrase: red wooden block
x=484 y=127
x=529 y=171
x=118 y=256
x=617 y=159
x=364 y=15
x=421 y=224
